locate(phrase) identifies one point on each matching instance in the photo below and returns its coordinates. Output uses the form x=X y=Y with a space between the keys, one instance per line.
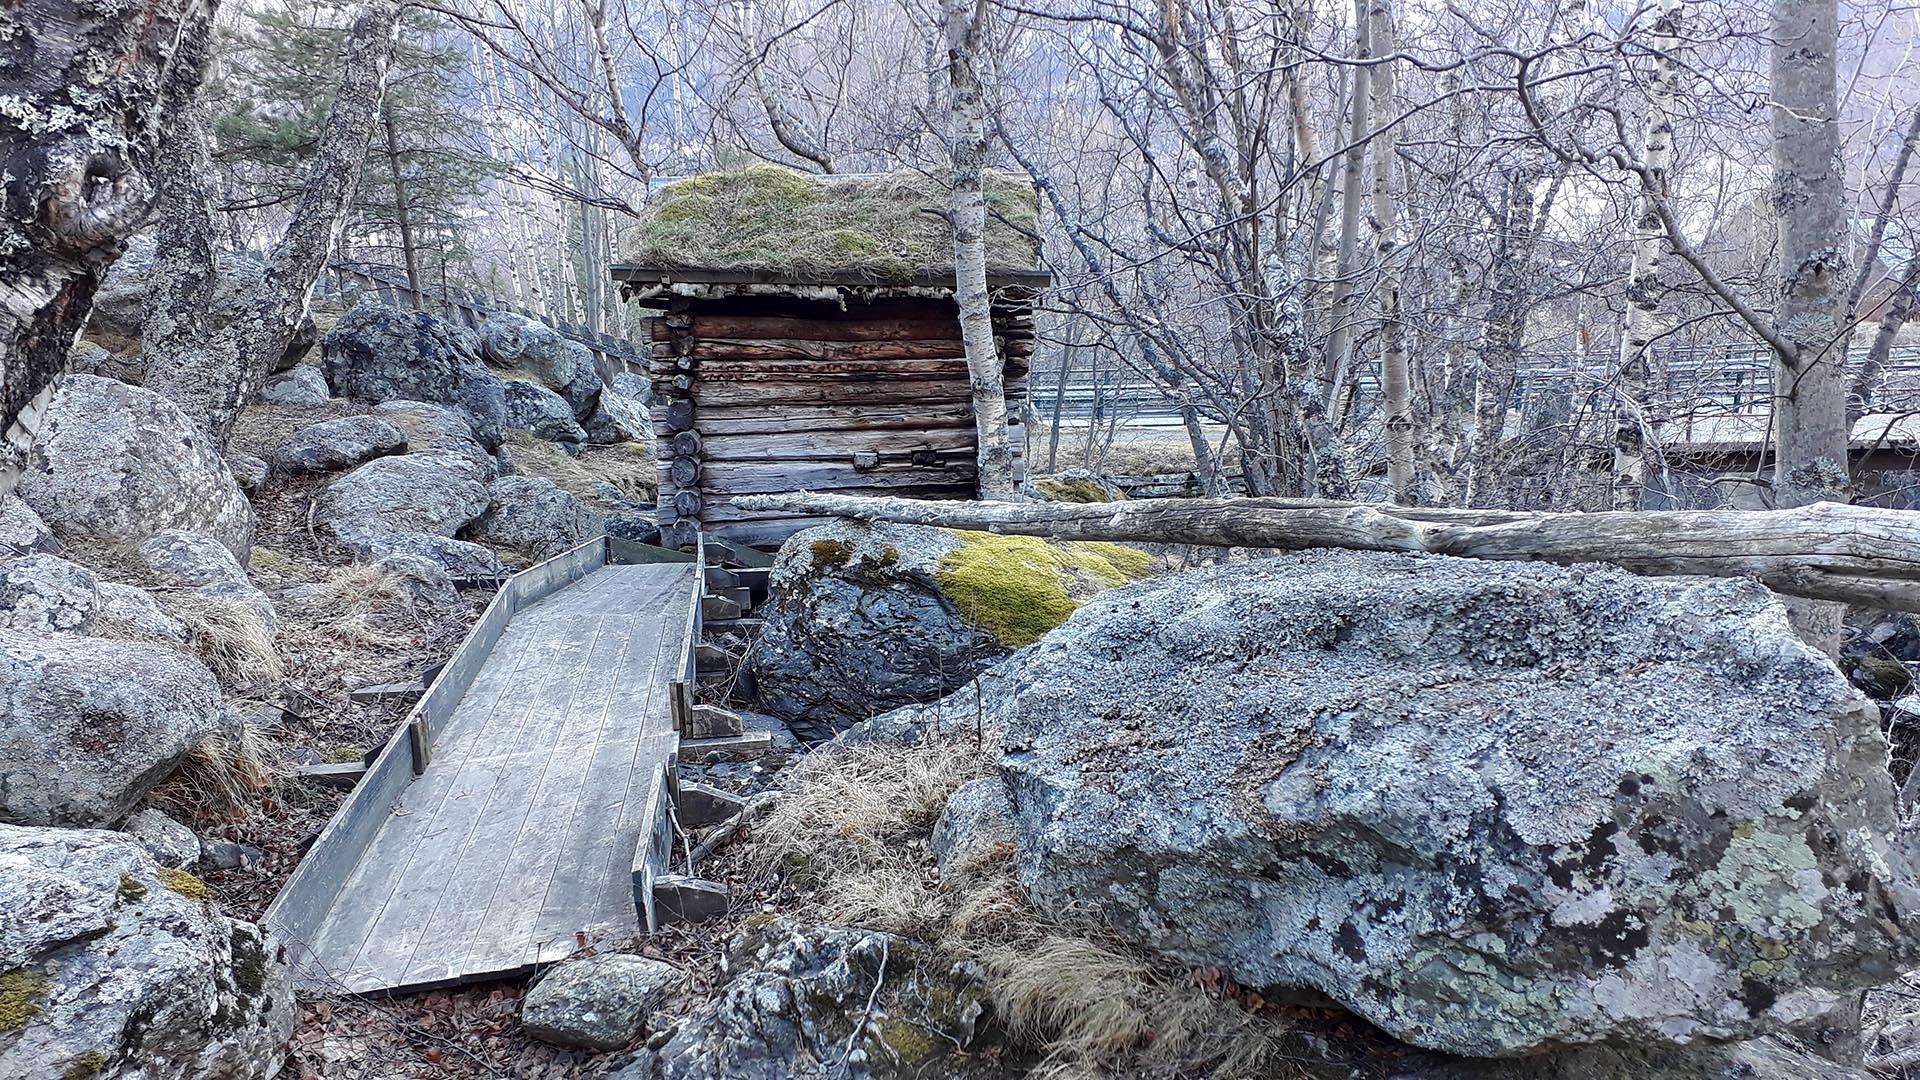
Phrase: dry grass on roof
x=769 y=219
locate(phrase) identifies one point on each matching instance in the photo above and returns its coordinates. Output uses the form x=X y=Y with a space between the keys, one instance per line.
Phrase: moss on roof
x=798 y=226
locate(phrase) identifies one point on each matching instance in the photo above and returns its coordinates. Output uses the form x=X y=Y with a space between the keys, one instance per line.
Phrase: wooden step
x=718 y=608
x=702 y=751
x=403 y=693
x=709 y=721
x=746 y=625
x=703 y=804
x=679 y=899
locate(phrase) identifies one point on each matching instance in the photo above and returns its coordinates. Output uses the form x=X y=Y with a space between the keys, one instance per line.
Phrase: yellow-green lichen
x=182 y=882
x=19 y=991
x=908 y=1044
x=131 y=889
x=1074 y=491
x=85 y=1066
x=1019 y=587
x=340 y=755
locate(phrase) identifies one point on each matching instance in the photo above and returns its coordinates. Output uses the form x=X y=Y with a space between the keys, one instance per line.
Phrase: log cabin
x=806 y=338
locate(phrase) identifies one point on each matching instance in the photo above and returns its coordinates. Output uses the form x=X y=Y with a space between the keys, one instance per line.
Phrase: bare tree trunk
x=1830 y=550
x=211 y=379
x=1809 y=191
x=401 y=217
x=1631 y=420
x=962 y=19
x=77 y=175
x=1396 y=381
x=1338 y=363
x=1866 y=381
x=1500 y=352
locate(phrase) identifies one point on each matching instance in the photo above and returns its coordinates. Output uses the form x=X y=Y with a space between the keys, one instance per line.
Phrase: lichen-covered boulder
x=88 y=726
x=437 y=427
x=1754 y=1059
x=112 y=966
x=534 y=515
x=117 y=462
x=249 y=472
x=378 y=353
x=340 y=443
x=532 y=407
x=566 y=367
x=186 y=560
x=48 y=595
x=619 y=418
x=1494 y=808
x=829 y=1003
x=865 y=618
x=598 y=1002
x=21 y=530
x=433 y=492
x=131 y=613
x=304 y=386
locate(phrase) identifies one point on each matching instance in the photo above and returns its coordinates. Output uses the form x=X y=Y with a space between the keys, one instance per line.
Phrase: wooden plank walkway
x=517 y=842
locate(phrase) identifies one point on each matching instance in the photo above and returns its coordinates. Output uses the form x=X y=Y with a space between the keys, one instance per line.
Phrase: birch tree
x=77 y=161
x=1396 y=381
x=961 y=20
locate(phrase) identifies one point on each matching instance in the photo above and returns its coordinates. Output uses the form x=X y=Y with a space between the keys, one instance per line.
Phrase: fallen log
x=1826 y=551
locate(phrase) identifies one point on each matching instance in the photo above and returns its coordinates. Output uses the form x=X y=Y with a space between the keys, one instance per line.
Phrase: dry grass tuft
x=625 y=467
x=222 y=778
x=851 y=831
x=363 y=605
x=229 y=636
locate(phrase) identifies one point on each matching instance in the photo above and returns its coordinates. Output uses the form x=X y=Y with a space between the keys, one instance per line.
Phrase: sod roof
x=792 y=226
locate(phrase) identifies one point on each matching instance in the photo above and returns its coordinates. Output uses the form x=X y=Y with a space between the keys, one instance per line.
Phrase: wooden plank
x=746 y=478
x=834 y=445
x=787 y=370
x=852 y=326
x=943 y=348
x=783 y=417
x=842 y=391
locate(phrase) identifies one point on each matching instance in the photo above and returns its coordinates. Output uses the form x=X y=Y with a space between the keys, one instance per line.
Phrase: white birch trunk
x=1396 y=381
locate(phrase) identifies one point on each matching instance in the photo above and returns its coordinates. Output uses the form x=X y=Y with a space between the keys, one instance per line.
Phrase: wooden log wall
x=760 y=395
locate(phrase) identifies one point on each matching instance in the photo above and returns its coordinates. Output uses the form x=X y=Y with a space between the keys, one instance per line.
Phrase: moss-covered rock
x=865 y=618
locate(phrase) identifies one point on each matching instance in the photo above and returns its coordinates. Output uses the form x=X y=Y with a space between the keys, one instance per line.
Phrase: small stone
x=227 y=855
x=596 y=1003
x=170 y=843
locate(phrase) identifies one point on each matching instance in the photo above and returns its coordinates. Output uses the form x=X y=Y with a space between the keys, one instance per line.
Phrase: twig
x=879 y=980
x=755 y=808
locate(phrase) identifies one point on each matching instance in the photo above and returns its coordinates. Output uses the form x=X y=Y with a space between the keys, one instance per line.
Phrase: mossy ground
x=1074 y=491
x=19 y=991
x=182 y=882
x=769 y=218
x=1019 y=587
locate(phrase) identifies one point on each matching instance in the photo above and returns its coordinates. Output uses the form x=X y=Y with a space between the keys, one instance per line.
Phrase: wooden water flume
x=1827 y=551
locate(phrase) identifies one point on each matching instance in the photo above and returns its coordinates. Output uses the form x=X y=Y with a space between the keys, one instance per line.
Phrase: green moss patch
x=20 y=990
x=1074 y=491
x=1019 y=587
x=182 y=882
x=85 y=1066
x=131 y=889
x=774 y=220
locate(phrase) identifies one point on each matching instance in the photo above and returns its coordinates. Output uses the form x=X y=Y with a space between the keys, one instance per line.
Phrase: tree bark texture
x=961 y=20
x=1499 y=365
x=1396 y=380
x=1338 y=364
x=89 y=88
x=1632 y=421
x=1830 y=551
x=212 y=377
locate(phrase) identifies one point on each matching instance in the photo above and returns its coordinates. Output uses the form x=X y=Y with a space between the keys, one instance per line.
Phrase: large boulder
x=865 y=618
x=131 y=613
x=341 y=443
x=89 y=726
x=48 y=595
x=112 y=966
x=534 y=515
x=532 y=407
x=597 y=1002
x=185 y=560
x=619 y=418
x=439 y=427
x=125 y=294
x=378 y=353
x=1494 y=808
x=120 y=463
x=411 y=506
x=564 y=366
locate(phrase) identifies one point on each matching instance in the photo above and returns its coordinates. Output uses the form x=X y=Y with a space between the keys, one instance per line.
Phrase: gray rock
x=435 y=492
x=978 y=816
x=534 y=515
x=532 y=407
x=227 y=855
x=641 y=528
x=856 y=625
x=426 y=580
x=455 y=558
x=337 y=444
x=188 y=560
x=630 y=385
x=121 y=968
x=378 y=353
x=618 y=418
x=791 y=1011
x=303 y=386
x=597 y=1003
x=131 y=613
x=21 y=530
x=49 y=595
x=88 y=726
x=121 y=303
x=437 y=427
x=566 y=367
x=169 y=842
x=89 y=358
x=117 y=462
x=1758 y=1059
x=1492 y=807
x=249 y=472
